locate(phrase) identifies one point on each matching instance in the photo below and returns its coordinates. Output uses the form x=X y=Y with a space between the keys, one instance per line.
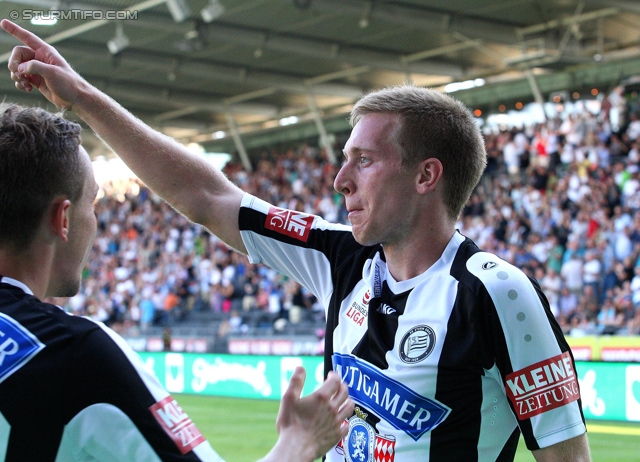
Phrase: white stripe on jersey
x=521 y=311
x=519 y=308
x=119 y=439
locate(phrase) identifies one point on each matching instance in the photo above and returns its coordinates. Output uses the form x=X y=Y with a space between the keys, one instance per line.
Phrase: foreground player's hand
x=308 y=427
x=38 y=64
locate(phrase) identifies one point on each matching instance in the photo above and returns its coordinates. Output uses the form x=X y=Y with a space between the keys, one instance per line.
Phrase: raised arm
x=185 y=180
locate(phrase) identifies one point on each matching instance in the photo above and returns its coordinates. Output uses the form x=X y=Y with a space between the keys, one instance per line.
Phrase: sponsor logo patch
x=357 y=313
x=289 y=222
x=17 y=346
x=386 y=309
x=489 y=265
x=177 y=424
x=417 y=344
x=378 y=277
x=389 y=399
x=544 y=386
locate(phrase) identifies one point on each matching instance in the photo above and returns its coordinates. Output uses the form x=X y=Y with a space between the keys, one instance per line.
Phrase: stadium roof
x=240 y=69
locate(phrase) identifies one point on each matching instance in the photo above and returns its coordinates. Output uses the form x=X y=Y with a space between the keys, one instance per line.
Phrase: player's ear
x=429 y=173
x=59 y=218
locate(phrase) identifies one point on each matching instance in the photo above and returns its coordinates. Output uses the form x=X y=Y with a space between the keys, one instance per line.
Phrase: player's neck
x=25 y=267
x=415 y=256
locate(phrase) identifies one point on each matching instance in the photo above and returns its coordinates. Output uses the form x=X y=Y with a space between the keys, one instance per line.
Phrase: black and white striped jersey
x=73 y=390
x=448 y=366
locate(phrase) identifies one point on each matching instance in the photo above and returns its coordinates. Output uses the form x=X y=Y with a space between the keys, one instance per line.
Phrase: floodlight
x=212 y=11
x=119 y=42
x=179 y=10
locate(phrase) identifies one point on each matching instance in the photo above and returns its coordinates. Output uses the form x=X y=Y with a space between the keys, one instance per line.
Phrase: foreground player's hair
x=38 y=161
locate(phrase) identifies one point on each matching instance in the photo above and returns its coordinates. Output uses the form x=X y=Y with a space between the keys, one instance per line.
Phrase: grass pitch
x=243 y=430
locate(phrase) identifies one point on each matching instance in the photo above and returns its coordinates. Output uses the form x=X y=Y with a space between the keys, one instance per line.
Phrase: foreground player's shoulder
x=487 y=273
x=472 y=265
x=493 y=270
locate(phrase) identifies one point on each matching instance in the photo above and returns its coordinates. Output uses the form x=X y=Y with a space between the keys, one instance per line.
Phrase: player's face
x=82 y=231
x=378 y=192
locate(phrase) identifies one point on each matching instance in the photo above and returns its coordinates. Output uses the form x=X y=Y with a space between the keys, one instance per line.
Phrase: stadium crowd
x=559 y=199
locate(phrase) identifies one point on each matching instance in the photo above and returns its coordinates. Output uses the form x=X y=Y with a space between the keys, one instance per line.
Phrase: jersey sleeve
x=112 y=398
x=301 y=246
x=535 y=361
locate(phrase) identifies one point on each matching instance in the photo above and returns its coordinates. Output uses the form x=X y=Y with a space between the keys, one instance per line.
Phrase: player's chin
x=362 y=237
x=67 y=288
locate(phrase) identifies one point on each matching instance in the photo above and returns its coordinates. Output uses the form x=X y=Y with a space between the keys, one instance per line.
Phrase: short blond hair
x=433 y=125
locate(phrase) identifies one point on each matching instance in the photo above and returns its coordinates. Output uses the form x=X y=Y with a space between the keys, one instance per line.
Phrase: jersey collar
x=16 y=283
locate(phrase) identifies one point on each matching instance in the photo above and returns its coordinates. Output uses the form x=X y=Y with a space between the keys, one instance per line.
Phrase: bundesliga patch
x=177 y=424
x=362 y=444
x=357 y=312
x=544 y=386
x=289 y=222
x=17 y=346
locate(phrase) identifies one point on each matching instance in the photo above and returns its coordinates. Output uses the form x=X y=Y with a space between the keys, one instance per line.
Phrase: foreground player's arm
x=308 y=427
x=572 y=450
x=123 y=401
x=183 y=179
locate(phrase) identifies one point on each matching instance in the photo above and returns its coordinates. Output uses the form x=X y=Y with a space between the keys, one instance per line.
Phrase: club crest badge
x=417 y=344
x=362 y=444
x=360 y=441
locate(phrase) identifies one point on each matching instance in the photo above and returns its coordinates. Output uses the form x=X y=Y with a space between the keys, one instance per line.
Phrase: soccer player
x=449 y=352
x=71 y=389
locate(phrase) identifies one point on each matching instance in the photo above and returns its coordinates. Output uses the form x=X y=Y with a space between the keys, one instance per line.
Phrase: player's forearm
x=164 y=165
x=185 y=180
x=572 y=450
x=293 y=450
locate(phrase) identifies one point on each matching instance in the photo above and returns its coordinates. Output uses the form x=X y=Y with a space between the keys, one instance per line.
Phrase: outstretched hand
x=308 y=427
x=38 y=64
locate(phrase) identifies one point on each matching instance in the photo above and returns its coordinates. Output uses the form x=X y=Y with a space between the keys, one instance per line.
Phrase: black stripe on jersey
x=348 y=278
x=510 y=447
x=381 y=328
x=460 y=367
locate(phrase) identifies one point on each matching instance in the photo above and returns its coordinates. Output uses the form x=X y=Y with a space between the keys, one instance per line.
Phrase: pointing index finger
x=26 y=37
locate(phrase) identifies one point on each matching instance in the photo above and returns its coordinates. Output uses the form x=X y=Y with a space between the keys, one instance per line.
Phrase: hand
x=39 y=65
x=308 y=427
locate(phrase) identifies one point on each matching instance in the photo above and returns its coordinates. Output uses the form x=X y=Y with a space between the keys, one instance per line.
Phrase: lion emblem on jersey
x=364 y=445
x=358 y=443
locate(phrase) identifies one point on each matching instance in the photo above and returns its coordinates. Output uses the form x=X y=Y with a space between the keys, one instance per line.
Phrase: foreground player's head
x=46 y=192
x=433 y=125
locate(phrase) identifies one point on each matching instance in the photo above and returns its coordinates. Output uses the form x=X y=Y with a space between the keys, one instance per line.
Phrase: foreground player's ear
x=429 y=174
x=60 y=218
